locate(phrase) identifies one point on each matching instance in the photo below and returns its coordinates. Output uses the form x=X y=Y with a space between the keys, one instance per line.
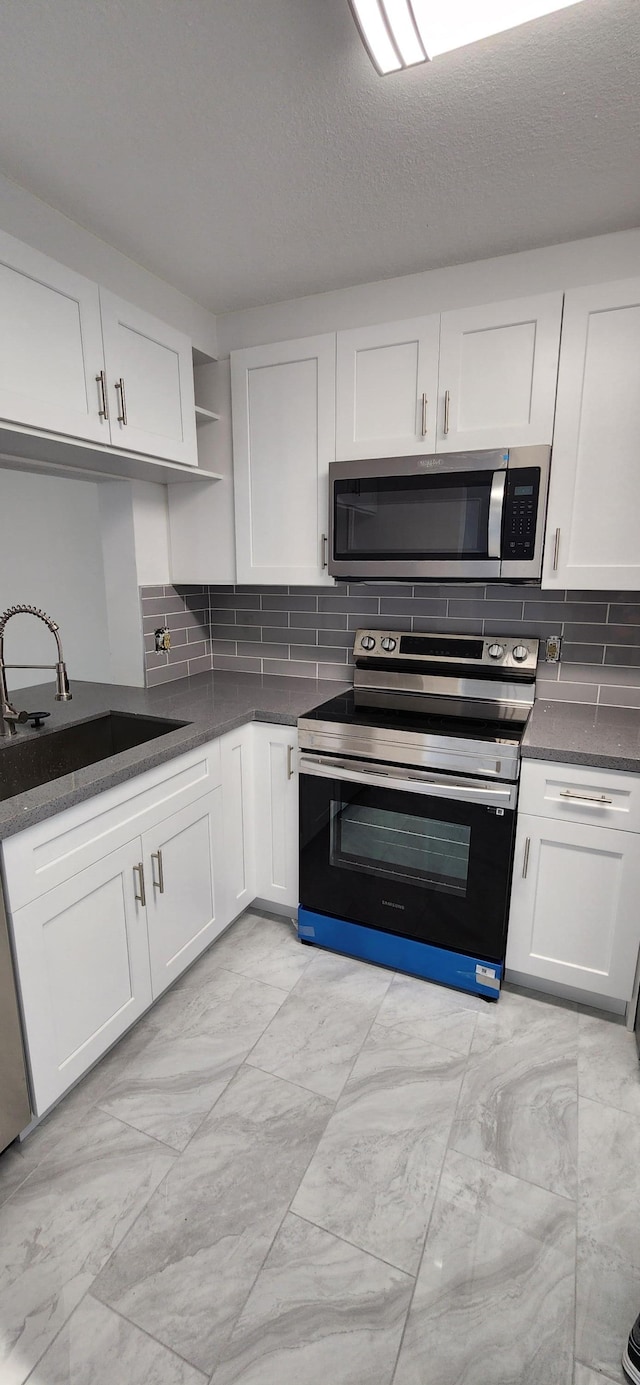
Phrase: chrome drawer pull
x=290 y=768
x=556 y=551
x=142 y=896
x=525 y=863
x=447 y=406
x=159 y=883
x=104 y=411
x=425 y=403
x=587 y=797
x=122 y=416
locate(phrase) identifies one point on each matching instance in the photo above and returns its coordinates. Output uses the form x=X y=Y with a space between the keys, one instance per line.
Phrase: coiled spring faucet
x=9 y=717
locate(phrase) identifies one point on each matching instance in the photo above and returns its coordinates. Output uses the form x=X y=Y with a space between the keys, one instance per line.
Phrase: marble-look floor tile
x=374 y=1175
x=608 y=1279
x=14 y=1169
x=98 y=1347
x=583 y=1376
x=520 y=1014
x=322 y=1025
x=60 y=1227
x=259 y=946
x=437 y=1014
x=185 y=1269
x=518 y=1105
x=494 y=1298
x=320 y=1310
x=608 y=1067
x=168 y=1089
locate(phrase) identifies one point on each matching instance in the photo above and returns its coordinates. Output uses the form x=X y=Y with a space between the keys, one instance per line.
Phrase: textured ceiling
x=246 y=151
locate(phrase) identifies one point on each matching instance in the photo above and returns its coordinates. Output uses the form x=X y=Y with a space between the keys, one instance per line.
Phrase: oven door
x=428 y=857
x=418 y=517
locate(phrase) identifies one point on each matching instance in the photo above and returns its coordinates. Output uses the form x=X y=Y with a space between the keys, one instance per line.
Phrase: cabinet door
x=50 y=345
x=283 y=440
x=150 y=379
x=498 y=373
x=574 y=915
x=592 y=529
x=183 y=868
x=386 y=389
x=276 y=779
x=83 y=967
x=238 y=796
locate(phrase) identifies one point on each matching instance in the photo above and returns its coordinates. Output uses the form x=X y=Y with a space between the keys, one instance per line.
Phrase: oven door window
x=413 y=517
x=383 y=842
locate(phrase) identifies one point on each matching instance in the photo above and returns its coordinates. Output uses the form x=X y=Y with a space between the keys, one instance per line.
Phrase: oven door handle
x=410 y=781
x=496 y=507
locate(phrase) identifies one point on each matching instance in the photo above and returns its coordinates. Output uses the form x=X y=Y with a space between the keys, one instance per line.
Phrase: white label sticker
x=486 y=971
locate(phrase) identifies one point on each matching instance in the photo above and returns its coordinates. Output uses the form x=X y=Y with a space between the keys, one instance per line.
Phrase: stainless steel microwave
x=466 y=516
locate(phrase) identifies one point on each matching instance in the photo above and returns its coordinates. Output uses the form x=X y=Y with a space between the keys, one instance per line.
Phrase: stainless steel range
x=408 y=796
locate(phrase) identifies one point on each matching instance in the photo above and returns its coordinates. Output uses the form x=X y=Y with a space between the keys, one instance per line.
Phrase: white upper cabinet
x=387 y=382
x=592 y=529
x=149 y=383
x=498 y=373
x=283 y=440
x=50 y=345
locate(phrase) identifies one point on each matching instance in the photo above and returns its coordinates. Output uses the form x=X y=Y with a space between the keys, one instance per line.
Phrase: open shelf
x=205 y=416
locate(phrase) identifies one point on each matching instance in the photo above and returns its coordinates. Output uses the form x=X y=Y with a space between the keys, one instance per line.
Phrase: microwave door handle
x=496 y=507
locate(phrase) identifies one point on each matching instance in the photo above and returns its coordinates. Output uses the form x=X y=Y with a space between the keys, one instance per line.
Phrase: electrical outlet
x=553 y=649
x=163 y=639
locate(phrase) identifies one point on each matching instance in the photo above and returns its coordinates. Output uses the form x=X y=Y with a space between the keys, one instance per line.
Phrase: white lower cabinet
x=239 y=819
x=83 y=966
x=276 y=800
x=183 y=862
x=574 y=916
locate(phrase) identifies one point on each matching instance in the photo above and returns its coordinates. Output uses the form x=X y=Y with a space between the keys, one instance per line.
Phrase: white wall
x=597 y=260
x=151 y=530
x=51 y=556
x=33 y=221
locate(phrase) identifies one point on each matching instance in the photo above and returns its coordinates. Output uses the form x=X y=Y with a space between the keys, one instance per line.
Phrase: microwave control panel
x=520 y=513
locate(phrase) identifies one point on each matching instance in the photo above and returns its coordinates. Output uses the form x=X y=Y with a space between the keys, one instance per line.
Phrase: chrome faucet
x=9 y=717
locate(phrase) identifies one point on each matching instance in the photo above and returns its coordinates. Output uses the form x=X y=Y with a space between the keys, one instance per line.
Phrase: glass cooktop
x=501 y=724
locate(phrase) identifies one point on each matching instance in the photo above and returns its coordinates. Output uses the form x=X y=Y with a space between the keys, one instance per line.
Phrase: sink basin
x=39 y=757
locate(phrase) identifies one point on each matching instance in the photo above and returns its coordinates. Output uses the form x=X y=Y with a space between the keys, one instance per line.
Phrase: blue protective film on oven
x=474 y=974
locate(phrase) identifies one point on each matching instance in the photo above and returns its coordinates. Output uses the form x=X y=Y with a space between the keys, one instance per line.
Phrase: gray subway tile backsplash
x=308 y=631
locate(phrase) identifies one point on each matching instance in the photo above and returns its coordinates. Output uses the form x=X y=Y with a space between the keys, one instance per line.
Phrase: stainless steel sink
x=36 y=758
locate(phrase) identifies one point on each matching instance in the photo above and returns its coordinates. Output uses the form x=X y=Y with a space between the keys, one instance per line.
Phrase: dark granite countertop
x=211 y=702
x=576 y=733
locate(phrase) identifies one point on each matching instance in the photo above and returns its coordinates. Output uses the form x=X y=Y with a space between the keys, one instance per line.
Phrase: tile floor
x=299 y=1168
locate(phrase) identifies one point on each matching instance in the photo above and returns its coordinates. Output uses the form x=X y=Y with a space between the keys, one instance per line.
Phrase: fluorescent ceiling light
x=401 y=33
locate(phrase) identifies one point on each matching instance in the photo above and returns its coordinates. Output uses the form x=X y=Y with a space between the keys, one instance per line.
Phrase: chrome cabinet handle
x=447 y=406
x=556 y=551
x=324 y=551
x=142 y=896
x=159 y=883
x=425 y=403
x=599 y=798
x=525 y=862
x=290 y=768
x=122 y=416
x=102 y=383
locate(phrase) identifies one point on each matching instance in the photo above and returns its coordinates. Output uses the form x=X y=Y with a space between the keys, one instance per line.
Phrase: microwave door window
x=412 y=517
x=381 y=842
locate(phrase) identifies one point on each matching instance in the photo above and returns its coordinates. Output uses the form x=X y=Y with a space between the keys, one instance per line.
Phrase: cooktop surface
x=501 y=724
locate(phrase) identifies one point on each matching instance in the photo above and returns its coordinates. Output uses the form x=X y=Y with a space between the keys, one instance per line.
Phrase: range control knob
x=520 y=653
x=388 y=644
x=495 y=651
x=368 y=642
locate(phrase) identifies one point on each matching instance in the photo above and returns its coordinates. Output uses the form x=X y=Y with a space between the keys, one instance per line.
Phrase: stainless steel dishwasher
x=15 y=1109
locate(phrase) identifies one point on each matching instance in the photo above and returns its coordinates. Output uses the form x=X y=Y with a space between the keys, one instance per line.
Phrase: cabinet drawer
x=42 y=857
x=578 y=793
